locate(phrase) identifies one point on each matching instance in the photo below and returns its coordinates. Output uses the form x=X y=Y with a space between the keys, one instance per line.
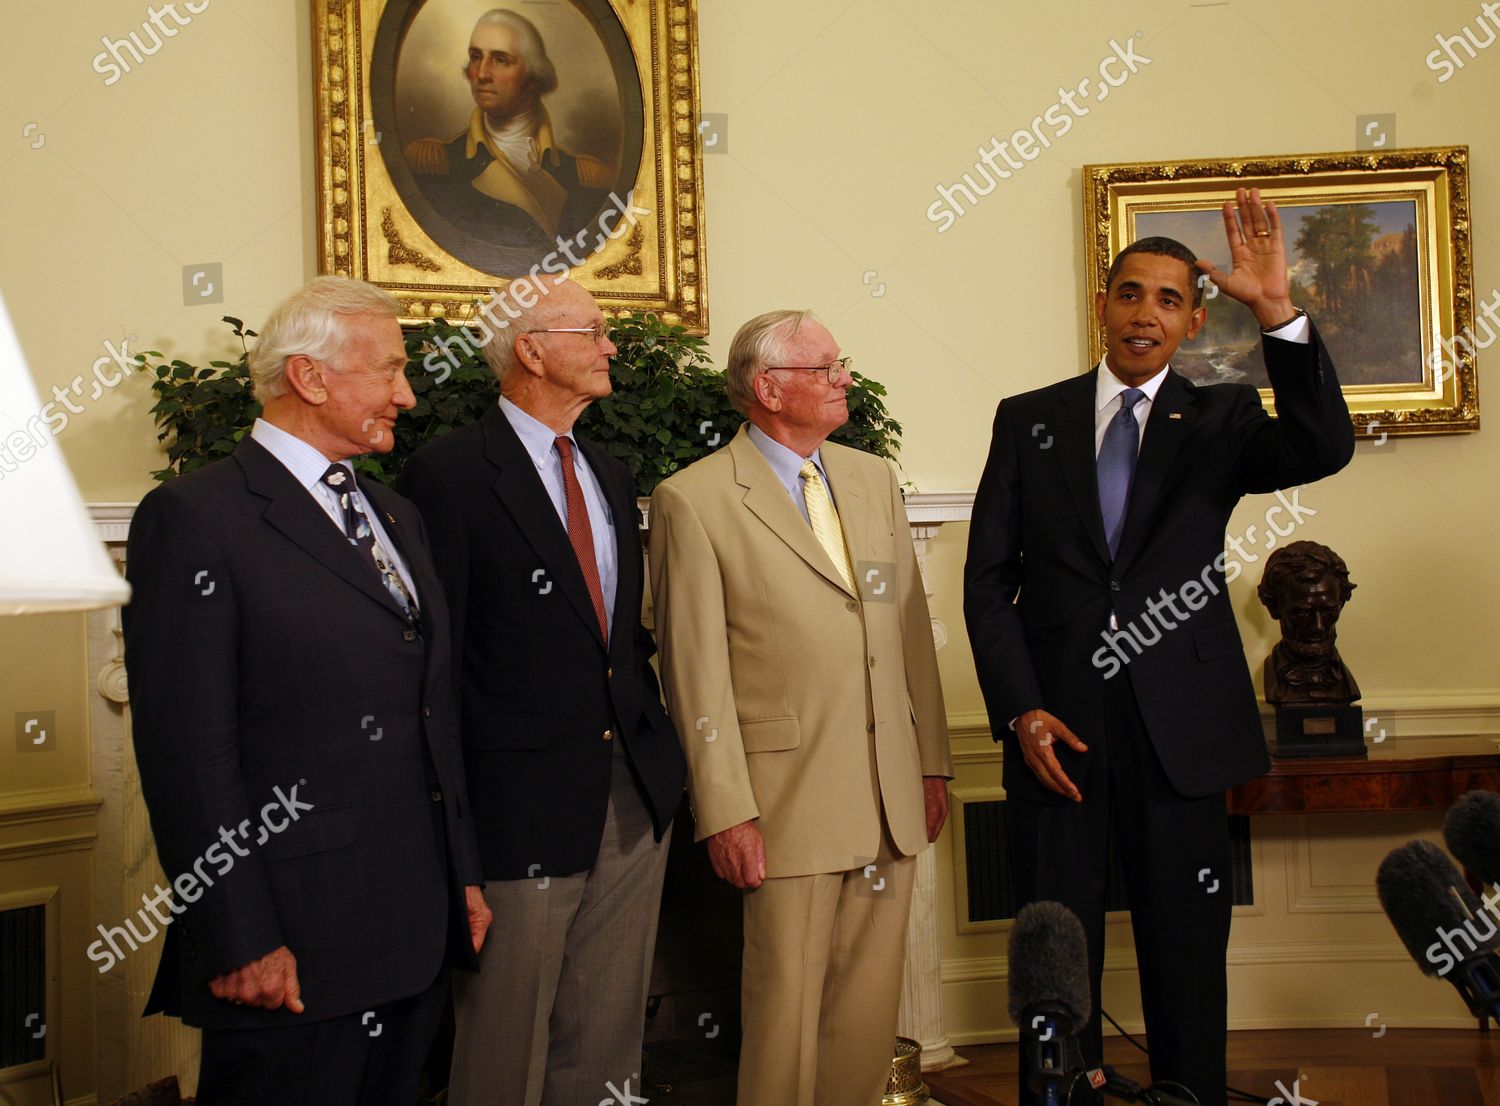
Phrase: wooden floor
x=1336 y=1067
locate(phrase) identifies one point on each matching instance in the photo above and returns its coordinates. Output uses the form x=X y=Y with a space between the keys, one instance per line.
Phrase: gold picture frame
x=1396 y=309
x=399 y=128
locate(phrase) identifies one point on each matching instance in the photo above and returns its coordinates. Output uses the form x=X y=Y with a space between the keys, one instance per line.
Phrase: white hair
x=540 y=71
x=310 y=322
x=757 y=344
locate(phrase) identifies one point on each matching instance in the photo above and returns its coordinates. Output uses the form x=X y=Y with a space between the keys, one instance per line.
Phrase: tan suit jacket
x=798 y=702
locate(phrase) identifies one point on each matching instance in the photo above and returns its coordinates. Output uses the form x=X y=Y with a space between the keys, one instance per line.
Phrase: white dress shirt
x=307 y=467
x=540 y=442
x=1108 y=387
x=787 y=465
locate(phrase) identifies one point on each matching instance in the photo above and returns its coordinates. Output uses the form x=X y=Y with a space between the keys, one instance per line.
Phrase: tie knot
x=810 y=472
x=339 y=479
x=565 y=447
x=1130 y=397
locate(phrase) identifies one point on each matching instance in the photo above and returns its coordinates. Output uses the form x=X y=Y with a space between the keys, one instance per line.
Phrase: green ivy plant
x=668 y=408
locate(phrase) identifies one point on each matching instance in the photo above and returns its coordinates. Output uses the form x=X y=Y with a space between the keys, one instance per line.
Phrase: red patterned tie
x=581 y=534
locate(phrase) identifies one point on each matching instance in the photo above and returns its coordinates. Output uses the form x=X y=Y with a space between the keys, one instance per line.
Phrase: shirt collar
x=303 y=461
x=785 y=463
x=1109 y=386
x=537 y=438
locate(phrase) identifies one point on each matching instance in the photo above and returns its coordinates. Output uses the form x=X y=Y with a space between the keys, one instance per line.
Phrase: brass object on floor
x=905 y=1086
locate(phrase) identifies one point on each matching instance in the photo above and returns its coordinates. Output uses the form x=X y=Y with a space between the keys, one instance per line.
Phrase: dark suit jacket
x=539 y=688
x=1039 y=583
x=263 y=654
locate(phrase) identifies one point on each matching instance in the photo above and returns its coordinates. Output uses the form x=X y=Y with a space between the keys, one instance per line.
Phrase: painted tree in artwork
x=1337 y=240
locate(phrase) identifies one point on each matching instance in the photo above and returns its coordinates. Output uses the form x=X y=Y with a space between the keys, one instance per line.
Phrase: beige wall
x=842 y=117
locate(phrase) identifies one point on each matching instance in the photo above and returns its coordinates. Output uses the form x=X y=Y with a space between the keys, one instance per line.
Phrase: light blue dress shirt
x=540 y=442
x=307 y=467
x=787 y=465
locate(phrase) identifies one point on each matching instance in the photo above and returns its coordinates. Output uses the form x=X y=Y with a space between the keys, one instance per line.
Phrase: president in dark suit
x=1103 y=634
x=574 y=770
x=292 y=698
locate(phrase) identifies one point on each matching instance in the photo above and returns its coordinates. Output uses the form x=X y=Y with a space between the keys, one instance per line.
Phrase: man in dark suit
x=292 y=698
x=574 y=769
x=1103 y=506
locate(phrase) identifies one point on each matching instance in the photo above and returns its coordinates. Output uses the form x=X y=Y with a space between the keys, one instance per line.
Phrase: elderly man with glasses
x=797 y=653
x=575 y=770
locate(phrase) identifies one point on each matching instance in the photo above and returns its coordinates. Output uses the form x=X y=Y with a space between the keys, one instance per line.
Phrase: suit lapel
x=1172 y=414
x=402 y=530
x=519 y=488
x=1076 y=455
x=294 y=512
x=768 y=501
x=849 y=500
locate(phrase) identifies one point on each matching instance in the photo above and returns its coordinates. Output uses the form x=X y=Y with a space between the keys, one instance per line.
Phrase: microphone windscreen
x=1049 y=965
x=1417 y=884
x=1472 y=831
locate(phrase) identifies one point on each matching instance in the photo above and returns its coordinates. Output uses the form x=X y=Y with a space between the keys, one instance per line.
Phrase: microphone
x=1472 y=830
x=1446 y=929
x=1049 y=995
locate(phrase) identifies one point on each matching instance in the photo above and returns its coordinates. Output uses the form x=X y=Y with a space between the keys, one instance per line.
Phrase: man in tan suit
x=797 y=655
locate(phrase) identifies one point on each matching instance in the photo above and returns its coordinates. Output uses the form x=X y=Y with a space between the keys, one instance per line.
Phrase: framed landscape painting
x=1379 y=255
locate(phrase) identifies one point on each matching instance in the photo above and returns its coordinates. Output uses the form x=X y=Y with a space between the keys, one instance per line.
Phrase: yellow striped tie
x=825 y=522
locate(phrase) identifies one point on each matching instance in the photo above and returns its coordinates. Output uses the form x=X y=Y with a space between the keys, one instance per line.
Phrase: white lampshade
x=51 y=559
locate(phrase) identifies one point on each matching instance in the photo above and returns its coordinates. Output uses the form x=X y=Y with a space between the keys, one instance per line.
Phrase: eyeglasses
x=599 y=331
x=834 y=369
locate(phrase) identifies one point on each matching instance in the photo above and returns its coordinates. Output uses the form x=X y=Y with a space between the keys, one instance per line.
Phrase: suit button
x=610 y=673
x=1114 y=585
x=851 y=605
x=609 y=735
x=408 y=635
x=870 y=728
x=872 y=662
x=435 y=796
x=426 y=712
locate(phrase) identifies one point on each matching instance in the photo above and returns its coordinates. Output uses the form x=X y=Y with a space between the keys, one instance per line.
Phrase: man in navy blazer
x=1103 y=635
x=292 y=700
x=574 y=769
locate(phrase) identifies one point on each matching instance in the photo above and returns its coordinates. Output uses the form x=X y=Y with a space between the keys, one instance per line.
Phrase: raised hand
x=1258 y=275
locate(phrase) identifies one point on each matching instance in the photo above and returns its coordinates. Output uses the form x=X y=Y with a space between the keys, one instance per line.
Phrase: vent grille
x=23 y=985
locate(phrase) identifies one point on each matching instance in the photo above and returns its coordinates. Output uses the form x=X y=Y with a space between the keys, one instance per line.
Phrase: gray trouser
x=557 y=1011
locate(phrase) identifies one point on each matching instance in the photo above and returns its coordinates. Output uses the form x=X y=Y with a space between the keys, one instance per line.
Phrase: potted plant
x=668 y=408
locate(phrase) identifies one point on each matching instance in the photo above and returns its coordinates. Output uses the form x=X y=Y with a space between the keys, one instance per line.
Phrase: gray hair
x=540 y=71
x=499 y=346
x=310 y=322
x=756 y=344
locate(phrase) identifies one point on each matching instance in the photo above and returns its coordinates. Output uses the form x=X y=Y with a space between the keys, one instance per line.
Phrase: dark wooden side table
x=1407 y=774
x=1410 y=774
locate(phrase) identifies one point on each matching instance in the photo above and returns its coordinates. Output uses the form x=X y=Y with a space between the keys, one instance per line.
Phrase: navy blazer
x=268 y=662
x=1039 y=583
x=542 y=697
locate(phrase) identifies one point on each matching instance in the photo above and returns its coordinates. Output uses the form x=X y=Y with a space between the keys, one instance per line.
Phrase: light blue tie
x=1122 y=439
